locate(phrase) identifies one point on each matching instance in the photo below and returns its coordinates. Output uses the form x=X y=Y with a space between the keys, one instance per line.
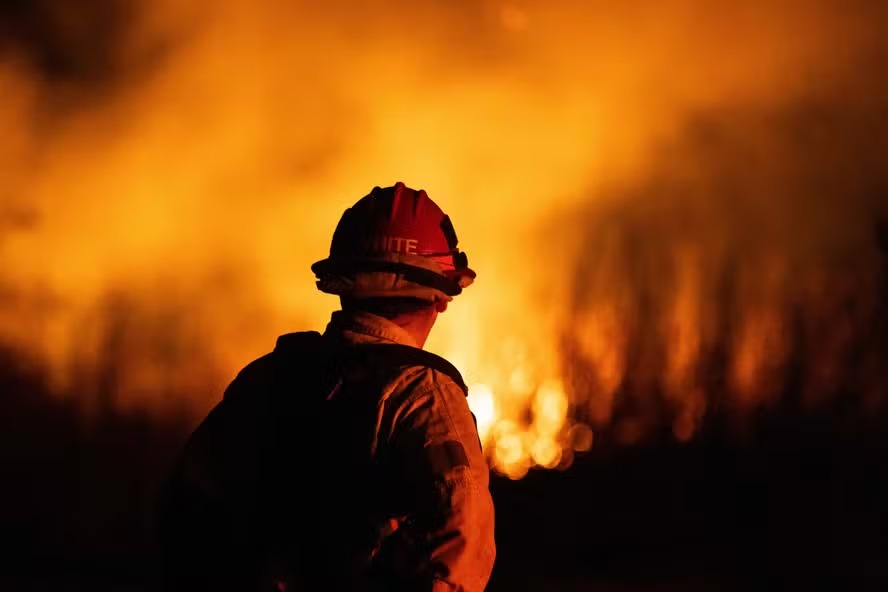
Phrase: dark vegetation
x=798 y=503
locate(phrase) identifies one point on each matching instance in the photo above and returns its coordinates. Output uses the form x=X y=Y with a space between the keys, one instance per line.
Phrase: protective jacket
x=343 y=461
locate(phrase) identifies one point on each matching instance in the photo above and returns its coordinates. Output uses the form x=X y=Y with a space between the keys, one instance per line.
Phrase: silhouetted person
x=347 y=460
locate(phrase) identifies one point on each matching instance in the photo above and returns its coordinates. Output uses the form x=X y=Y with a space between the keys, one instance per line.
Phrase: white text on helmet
x=395 y=244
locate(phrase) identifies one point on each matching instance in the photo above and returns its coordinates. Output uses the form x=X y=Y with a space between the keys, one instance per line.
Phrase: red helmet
x=394 y=242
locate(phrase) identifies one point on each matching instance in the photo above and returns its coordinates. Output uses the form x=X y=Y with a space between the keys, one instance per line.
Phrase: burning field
x=678 y=212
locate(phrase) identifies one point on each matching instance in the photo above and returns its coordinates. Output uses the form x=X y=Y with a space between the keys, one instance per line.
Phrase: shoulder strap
x=303 y=341
x=374 y=354
x=385 y=354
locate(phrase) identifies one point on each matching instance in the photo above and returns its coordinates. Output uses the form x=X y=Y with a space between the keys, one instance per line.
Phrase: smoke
x=652 y=193
x=745 y=268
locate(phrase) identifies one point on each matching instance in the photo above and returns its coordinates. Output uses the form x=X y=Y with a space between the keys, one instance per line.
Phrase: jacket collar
x=364 y=327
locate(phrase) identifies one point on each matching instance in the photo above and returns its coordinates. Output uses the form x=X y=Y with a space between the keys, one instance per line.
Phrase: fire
x=671 y=208
x=516 y=444
x=482 y=402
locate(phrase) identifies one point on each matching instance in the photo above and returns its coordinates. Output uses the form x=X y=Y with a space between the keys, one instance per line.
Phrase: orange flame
x=633 y=182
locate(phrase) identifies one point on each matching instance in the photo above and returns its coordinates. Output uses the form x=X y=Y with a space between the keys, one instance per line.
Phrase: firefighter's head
x=394 y=253
x=394 y=243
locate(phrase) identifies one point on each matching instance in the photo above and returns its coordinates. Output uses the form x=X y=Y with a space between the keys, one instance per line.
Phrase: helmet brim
x=449 y=283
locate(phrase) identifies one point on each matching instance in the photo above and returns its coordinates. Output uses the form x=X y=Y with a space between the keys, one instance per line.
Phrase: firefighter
x=347 y=460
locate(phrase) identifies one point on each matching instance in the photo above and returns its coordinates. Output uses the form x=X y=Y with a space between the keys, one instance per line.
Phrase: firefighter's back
x=287 y=479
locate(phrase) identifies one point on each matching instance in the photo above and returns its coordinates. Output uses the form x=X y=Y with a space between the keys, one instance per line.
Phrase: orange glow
x=616 y=172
